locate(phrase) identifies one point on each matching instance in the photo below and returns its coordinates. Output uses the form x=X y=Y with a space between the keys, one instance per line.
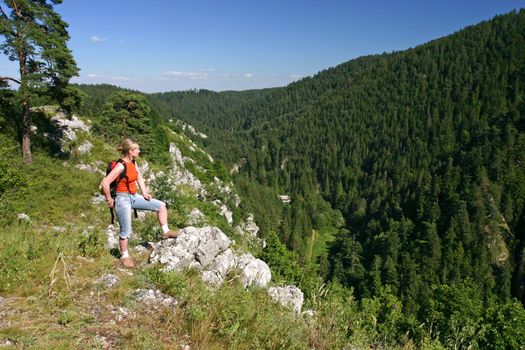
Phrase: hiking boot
x=171 y=234
x=127 y=262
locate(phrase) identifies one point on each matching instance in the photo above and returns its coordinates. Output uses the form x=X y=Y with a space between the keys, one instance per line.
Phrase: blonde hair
x=126 y=145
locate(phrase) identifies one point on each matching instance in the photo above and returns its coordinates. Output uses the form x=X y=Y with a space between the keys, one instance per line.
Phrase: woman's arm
x=117 y=170
x=142 y=185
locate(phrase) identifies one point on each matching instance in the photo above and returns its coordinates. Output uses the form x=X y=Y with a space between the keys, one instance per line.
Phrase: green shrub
x=503 y=325
x=92 y=245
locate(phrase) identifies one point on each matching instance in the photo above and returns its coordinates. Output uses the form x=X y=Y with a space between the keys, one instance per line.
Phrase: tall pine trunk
x=25 y=118
x=25 y=127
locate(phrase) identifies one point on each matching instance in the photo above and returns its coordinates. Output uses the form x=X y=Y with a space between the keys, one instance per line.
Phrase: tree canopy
x=36 y=37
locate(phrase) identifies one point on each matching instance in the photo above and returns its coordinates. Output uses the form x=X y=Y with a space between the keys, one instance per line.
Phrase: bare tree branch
x=12 y=79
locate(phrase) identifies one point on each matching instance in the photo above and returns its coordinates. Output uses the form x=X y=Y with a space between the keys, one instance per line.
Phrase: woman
x=127 y=197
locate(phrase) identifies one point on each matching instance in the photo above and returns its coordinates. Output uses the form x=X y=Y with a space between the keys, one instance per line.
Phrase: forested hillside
x=390 y=189
x=421 y=151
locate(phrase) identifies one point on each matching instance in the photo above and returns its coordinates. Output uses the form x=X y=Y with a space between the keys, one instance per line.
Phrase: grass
x=49 y=267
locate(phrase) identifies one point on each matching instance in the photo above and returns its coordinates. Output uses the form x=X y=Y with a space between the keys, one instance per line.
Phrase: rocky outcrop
x=61 y=120
x=108 y=281
x=253 y=271
x=221 y=265
x=24 y=217
x=189 y=127
x=290 y=296
x=248 y=227
x=66 y=128
x=85 y=147
x=194 y=248
x=154 y=298
x=227 y=191
x=207 y=250
x=196 y=217
x=180 y=175
x=224 y=211
x=91 y=168
x=112 y=237
x=148 y=175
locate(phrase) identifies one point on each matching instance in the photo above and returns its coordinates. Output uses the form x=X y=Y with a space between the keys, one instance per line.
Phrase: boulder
x=112 y=234
x=108 y=281
x=219 y=268
x=23 y=217
x=224 y=211
x=196 y=217
x=290 y=296
x=74 y=123
x=194 y=248
x=248 y=228
x=85 y=147
x=65 y=129
x=90 y=168
x=181 y=175
x=154 y=298
x=253 y=271
x=207 y=250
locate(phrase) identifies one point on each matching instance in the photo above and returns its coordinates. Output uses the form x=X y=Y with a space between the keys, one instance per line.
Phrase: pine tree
x=35 y=36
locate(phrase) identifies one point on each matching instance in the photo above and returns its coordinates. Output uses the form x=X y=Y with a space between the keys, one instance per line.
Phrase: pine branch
x=12 y=79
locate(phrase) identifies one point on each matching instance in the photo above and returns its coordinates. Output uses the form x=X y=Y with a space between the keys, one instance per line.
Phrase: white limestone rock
x=74 y=123
x=253 y=271
x=185 y=126
x=249 y=227
x=224 y=211
x=219 y=268
x=147 y=174
x=176 y=155
x=194 y=248
x=154 y=298
x=308 y=314
x=289 y=296
x=227 y=191
x=98 y=199
x=108 y=280
x=65 y=129
x=23 y=217
x=112 y=237
x=85 y=147
x=227 y=213
x=180 y=175
x=120 y=313
x=207 y=250
x=196 y=217
x=90 y=168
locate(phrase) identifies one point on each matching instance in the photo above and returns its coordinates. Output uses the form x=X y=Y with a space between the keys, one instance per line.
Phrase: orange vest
x=132 y=174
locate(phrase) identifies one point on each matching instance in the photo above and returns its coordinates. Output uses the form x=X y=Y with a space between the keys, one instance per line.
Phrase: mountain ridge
x=405 y=176
x=421 y=145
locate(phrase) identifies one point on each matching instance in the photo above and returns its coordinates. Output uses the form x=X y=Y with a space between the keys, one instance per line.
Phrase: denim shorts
x=125 y=202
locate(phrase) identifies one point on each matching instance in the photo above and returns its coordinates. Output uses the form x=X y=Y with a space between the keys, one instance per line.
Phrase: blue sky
x=162 y=45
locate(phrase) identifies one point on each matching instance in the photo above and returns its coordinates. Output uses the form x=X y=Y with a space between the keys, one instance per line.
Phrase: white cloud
x=198 y=78
x=191 y=75
x=120 y=78
x=109 y=77
x=96 y=39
